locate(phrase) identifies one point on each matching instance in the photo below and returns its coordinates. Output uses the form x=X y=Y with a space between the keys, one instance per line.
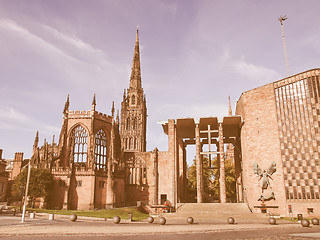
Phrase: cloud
x=255 y=72
x=11 y=119
x=31 y=38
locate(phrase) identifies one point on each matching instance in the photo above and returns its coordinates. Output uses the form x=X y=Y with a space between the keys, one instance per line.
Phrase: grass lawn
x=103 y=213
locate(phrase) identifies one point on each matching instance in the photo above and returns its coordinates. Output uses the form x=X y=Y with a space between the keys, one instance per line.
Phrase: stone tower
x=134 y=110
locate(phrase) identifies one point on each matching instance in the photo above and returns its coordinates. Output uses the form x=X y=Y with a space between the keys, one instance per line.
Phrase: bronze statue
x=265 y=175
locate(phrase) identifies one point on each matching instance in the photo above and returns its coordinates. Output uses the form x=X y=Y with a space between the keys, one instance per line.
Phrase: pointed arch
x=133 y=100
x=134 y=123
x=100 y=150
x=79 y=143
x=128 y=124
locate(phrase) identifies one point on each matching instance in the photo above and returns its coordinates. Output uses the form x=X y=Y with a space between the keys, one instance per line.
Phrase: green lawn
x=103 y=213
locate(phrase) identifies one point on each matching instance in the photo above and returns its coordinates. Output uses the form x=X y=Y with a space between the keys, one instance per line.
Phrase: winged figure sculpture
x=265 y=175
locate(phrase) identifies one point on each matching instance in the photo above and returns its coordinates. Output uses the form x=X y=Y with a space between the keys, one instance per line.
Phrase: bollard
x=300 y=217
x=231 y=220
x=150 y=219
x=190 y=220
x=32 y=215
x=73 y=217
x=272 y=221
x=305 y=223
x=162 y=221
x=116 y=219
x=130 y=217
x=315 y=221
x=51 y=216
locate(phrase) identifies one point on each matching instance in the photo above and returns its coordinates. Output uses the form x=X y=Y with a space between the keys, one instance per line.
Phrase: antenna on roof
x=281 y=20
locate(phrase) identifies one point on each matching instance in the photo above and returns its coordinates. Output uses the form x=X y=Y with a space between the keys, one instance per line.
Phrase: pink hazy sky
x=194 y=54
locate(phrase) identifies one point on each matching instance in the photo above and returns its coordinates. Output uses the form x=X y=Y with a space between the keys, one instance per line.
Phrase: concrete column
x=199 y=166
x=181 y=180
x=185 y=170
x=172 y=150
x=237 y=166
x=222 y=179
x=156 y=175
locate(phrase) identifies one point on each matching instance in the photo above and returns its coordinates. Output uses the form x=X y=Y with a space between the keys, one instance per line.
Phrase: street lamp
x=26 y=193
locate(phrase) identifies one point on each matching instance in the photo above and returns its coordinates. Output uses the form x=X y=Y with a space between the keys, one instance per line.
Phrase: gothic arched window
x=80 y=136
x=131 y=143
x=128 y=124
x=135 y=143
x=100 y=150
x=133 y=100
x=134 y=124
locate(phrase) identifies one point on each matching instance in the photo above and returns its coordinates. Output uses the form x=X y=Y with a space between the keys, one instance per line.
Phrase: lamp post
x=26 y=193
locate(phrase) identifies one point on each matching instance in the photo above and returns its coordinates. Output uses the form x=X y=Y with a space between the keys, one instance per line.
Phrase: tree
x=211 y=179
x=208 y=179
x=230 y=180
x=41 y=181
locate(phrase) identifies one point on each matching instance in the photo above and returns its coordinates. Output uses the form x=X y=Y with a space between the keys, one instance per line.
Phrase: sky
x=194 y=54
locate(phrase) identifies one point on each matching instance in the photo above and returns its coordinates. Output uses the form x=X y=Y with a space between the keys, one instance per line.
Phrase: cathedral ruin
x=100 y=161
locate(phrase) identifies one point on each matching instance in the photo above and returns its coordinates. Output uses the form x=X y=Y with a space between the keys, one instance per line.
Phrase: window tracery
x=80 y=136
x=100 y=150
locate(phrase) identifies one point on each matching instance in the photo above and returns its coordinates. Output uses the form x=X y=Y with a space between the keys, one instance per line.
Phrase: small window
x=310 y=210
x=133 y=100
x=79 y=183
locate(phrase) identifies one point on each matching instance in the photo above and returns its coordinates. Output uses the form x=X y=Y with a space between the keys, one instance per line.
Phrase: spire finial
x=66 y=105
x=36 y=140
x=137 y=37
x=117 y=119
x=135 y=79
x=230 y=109
x=112 y=109
x=94 y=102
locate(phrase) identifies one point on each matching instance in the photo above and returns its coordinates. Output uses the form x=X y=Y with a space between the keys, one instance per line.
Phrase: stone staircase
x=214 y=213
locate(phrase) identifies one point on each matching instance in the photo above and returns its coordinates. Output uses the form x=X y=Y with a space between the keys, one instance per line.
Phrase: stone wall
x=260 y=144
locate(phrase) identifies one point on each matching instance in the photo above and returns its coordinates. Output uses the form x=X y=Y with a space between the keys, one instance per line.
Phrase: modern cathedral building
x=101 y=160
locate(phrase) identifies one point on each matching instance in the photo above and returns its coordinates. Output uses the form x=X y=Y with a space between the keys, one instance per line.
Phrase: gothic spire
x=112 y=109
x=66 y=105
x=117 y=119
x=94 y=102
x=230 y=109
x=124 y=95
x=135 y=79
x=36 y=140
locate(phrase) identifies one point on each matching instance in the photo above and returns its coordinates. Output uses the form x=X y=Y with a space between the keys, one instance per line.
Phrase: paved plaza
x=91 y=228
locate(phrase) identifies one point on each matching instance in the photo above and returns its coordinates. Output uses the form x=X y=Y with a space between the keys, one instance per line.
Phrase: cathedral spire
x=94 y=102
x=135 y=79
x=112 y=109
x=117 y=119
x=66 y=105
x=230 y=109
x=36 y=140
